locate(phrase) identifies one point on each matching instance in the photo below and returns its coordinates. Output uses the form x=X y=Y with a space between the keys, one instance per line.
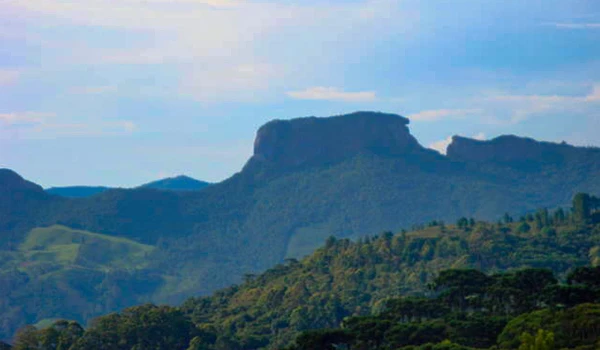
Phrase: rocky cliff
x=315 y=141
x=513 y=149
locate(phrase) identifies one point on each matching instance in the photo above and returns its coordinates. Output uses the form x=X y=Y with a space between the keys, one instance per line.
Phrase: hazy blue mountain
x=177 y=183
x=77 y=191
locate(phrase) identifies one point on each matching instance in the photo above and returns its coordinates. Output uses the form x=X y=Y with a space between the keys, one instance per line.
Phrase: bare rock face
x=509 y=149
x=310 y=141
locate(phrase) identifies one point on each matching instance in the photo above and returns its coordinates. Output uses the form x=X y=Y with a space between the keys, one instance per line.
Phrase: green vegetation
x=62 y=245
x=309 y=179
x=467 y=310
x=346 y=280
x=94 y=272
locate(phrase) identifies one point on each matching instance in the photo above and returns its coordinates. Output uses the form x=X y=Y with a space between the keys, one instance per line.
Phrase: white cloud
x=576 y=25
x=9 y=76
x=228 y=81
x=439 y=114
x=442 y=145
x=523 y=107
x=39 y=125
x=24 y=118
x=480 y=136
x=93 y=90
x=332 y=94
x=206 y=41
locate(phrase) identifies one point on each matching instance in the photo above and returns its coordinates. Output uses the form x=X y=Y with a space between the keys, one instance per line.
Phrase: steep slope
x=309 y=178
x=21 y=203
x=346 y=278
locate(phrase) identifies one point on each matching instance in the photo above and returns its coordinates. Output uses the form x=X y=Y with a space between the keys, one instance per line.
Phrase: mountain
x=308 y=179
x=77 y=191
x=177 y=183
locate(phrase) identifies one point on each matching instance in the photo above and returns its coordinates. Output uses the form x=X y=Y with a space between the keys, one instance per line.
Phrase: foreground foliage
x=394 y=292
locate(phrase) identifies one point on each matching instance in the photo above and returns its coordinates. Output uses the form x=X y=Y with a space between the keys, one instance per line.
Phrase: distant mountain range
x=308 y=179
x=177 y=183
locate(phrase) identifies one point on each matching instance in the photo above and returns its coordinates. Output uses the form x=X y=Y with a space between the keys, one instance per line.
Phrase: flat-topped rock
x=315 y=140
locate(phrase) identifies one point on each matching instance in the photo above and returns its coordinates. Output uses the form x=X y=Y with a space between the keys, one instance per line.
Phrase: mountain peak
x=313 y=140
x=11 y=181
x=177 y=183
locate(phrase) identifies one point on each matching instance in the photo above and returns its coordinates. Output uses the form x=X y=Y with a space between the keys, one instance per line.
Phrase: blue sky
x=119 y=93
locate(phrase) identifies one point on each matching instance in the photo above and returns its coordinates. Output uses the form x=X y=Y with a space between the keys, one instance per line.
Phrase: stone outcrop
x=311 y=141
x=509 y=149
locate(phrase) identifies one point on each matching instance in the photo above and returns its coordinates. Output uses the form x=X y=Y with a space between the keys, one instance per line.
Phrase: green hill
x=470 y=285
x=58 y=272
x=308 y=178
x=346 y=278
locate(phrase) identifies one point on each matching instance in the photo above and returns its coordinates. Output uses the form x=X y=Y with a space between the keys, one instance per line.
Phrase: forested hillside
x=309 y=178
x=466 y=285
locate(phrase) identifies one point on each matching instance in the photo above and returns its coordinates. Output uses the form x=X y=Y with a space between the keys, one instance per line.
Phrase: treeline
x=470 y=310
x=451 y=270
x=475 y=310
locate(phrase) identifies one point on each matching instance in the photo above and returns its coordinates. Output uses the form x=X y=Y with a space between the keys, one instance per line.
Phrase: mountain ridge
x=176 y=183
x=284 y=206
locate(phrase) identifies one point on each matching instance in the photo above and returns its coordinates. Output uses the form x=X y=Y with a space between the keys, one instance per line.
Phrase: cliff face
x=511 y=149
x=310 y=141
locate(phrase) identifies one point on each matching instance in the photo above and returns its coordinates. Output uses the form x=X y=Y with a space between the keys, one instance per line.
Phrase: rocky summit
x=309 y=179
x=314 y=141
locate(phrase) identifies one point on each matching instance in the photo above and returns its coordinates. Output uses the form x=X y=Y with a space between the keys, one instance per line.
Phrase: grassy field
x=67 y=247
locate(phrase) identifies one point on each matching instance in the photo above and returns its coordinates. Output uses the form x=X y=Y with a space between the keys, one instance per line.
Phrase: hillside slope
x=346 y=278
x=309 y=178
x=470 y=285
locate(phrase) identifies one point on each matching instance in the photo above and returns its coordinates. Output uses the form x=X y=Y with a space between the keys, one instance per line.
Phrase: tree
x=582 y=207
x=462 y=288
x=543 y=340
x=462 y=223
x=27 y=339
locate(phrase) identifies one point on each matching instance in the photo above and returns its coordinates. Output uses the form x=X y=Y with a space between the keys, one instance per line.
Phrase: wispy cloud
x=9 y=76
x=479 y=136
x=442 y=145
x=40 y=125
x=93 y=90
x=332 y=94
x=522 y=107
x=208 y=43
x=576 y=25
x=21 y=118
x=439 y=114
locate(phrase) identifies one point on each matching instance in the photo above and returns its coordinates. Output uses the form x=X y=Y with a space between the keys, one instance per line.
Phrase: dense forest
x=531 y=282
x=308 y=179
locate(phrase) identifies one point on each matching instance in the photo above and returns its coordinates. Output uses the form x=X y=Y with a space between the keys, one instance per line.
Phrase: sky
x=123 y=92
